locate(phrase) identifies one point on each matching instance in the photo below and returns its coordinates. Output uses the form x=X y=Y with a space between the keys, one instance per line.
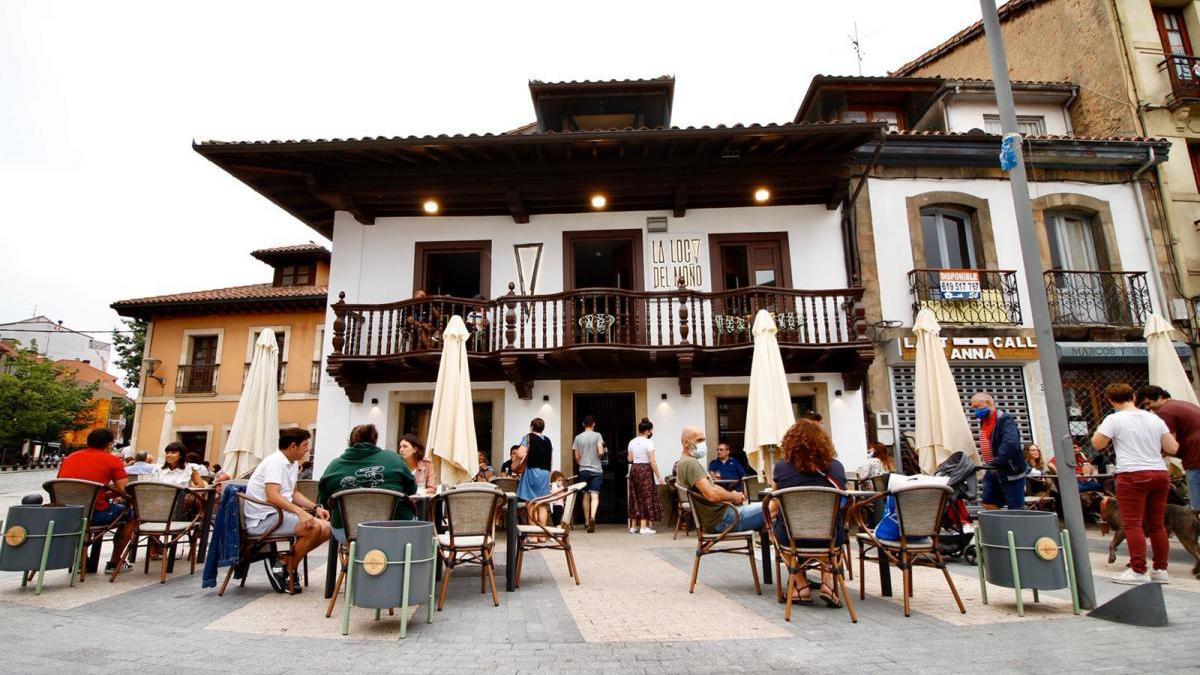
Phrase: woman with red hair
x=809 y=460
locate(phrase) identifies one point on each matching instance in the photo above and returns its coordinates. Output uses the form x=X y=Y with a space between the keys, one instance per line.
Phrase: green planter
x=40 y=538
x=1024 y=550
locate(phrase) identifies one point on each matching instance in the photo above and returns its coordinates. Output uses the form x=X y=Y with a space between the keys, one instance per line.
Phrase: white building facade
x=57 y=342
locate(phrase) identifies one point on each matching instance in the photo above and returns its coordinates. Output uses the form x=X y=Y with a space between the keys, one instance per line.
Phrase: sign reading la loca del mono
x=982 y=348
x=676 y=256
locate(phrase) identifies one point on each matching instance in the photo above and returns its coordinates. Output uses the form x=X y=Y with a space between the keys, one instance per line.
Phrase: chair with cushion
x=75 y=492
x=919 y=512
x=725 y=541
x=683 y=511
x=357 y=506
x=554 y=538
x=255 y=547
x=157 y=509
x=812 y=518
x=470 y=512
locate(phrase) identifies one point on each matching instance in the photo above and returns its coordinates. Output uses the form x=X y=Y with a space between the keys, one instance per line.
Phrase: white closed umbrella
x=769 y=406
x=942 y=427
x=452 y=421
x=1166 y=370
x=167 y=435
x=255 y=431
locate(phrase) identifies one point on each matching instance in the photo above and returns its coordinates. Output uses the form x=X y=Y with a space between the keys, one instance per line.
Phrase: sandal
x=802 y=597
x=829 y=597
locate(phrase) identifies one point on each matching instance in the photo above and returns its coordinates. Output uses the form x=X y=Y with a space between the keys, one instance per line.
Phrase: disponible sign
x=981 y=348
x=676 y=256
x=959 y=285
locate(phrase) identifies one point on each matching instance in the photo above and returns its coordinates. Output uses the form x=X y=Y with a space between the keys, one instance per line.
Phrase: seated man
x=691 y=474
x=725 y=467
x=97 y=464
x=274 y=482
x=506 y=469
x=365 y=465
x=141 y=466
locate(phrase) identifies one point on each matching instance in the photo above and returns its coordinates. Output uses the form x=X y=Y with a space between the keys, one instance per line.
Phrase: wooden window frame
x=570 y=237
x=1194 y=155
x=870 y=110
x=481 y=246
x=716 y=241
x=1160 y=25
x=310 y=265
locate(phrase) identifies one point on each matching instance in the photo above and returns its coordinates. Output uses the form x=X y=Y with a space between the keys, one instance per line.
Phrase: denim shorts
x=592 y=479
x=108 y=516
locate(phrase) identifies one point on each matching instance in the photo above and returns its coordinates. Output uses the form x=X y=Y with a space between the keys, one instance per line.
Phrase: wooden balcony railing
x=1082 y=298
x=600 y=317
x=1184 y=74
x=197 y=379
x=995 y=301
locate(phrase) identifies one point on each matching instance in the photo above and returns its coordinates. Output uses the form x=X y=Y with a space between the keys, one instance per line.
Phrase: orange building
x=106 y=414
x=199 y=345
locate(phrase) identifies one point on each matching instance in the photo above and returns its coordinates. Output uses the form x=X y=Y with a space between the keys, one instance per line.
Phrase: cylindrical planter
x=34 y=521
x=382 y=586
x=1036 y=538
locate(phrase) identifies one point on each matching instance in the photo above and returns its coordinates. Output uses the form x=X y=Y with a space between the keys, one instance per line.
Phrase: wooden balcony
x=1184 y=74
x=600 y=333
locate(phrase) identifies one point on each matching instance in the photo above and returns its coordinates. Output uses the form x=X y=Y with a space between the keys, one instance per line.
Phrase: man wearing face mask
x=1000 y=448
x=690 y=472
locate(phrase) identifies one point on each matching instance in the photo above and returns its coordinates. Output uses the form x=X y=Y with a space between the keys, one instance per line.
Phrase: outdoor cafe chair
x=725 y=541
x=158 y=519
x=683 y=511
x=75 y=492
x=255 y=547
x=308 y=488
x=812 y=518
x=919 y=512
x=470 y=511
x=554 y=538
x=357 y=506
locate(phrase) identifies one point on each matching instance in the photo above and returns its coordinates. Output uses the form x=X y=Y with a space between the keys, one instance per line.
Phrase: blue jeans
x=1193 y=479
x=751 y=518
x=1004 y=493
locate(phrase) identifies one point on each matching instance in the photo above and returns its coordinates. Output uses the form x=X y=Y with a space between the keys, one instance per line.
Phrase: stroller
x=958 y=534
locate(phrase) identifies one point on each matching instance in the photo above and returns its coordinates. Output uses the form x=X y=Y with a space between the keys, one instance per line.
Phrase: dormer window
x=300 y=274
x=892 y=116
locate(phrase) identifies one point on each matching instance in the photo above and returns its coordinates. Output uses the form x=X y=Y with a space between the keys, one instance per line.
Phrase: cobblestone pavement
x=632 y=613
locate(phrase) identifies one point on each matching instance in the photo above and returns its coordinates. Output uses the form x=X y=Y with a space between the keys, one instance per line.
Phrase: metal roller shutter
x=1005 y=383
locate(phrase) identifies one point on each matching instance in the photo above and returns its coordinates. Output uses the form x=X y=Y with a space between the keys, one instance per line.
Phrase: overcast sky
x=104 y=198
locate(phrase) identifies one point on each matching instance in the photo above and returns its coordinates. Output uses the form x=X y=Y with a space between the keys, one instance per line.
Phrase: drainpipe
x=1159 y=280
x=1067 y=115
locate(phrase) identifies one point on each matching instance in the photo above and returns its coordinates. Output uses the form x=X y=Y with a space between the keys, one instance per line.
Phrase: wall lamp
x=150 y=366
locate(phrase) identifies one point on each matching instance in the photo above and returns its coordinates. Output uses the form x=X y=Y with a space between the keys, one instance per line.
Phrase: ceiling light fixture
x=431 y=206
x=599 y=201
x=761 y=195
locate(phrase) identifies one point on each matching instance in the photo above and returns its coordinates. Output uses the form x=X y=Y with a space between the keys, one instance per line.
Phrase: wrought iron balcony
x=599 y=332
x=280 y=375
x=1079 y=298
x=990 y=299
x=197 y=379
x=314 y=382
x=1184 y=74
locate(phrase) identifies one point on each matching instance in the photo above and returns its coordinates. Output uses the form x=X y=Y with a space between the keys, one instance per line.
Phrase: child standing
x=556 y=506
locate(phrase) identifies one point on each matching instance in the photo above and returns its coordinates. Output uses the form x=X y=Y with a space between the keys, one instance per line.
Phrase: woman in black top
x=809 y=460
x=534 y=459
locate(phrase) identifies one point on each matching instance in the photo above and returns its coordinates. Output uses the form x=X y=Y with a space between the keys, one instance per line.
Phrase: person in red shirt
x=96 y=463
x=1183 y=420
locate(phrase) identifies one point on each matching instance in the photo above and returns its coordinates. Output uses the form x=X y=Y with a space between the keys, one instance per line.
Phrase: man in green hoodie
x=365 y=465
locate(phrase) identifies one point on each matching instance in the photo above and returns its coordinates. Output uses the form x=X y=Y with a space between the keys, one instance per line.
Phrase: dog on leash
x=1181 y=521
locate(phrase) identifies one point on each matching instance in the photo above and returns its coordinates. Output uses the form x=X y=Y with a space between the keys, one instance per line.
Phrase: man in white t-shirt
x=1139 y=439
x=274 y=482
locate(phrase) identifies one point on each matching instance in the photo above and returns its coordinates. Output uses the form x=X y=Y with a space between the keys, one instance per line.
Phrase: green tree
x=40 y=400
x=130 y=343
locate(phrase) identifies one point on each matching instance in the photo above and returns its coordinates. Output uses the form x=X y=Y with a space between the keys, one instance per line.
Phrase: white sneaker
x=1159 y=577
x=1132 y=578
x=646 y=530
x=633 y=530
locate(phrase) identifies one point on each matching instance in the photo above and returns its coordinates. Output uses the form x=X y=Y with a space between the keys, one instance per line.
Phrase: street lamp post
x=1064 y=454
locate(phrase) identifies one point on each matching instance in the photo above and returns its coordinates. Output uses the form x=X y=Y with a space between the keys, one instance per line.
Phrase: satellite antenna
x=857 y=45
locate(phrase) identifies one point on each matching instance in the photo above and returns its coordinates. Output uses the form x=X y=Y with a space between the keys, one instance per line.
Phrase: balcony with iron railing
x=1184 y=74
x=280 y=375
x=598 y=332
x=314 y=381
x=1098 y=299
x=197 y=379
x=967 y=297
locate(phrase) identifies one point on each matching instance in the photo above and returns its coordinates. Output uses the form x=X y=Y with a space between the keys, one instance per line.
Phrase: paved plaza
x=632 y=613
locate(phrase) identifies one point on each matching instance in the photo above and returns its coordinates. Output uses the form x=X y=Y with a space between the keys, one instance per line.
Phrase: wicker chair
x=555 y=538
x=359 y=506
x=506 y=484
x=156 y=515
x=255 y=547
x=755 y=486
x=710 y=542
x=683 y=511
x=808 y=514
x=308 y=488
x=919 y=510
x=74 y=492
x=470 y=511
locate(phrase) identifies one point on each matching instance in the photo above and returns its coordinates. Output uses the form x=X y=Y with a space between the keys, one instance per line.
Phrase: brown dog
x=1181 y=521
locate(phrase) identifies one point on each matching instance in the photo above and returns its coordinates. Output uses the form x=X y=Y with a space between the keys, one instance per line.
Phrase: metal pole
x=1040 y=313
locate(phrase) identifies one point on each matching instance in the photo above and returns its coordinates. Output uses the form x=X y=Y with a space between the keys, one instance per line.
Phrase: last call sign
x=675 y=257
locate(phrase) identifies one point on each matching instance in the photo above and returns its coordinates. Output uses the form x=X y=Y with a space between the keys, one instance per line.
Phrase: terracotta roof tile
x=631 y=80
x=231 y=295
x=1045 y=137
x=290 y=250
x=87 y=373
